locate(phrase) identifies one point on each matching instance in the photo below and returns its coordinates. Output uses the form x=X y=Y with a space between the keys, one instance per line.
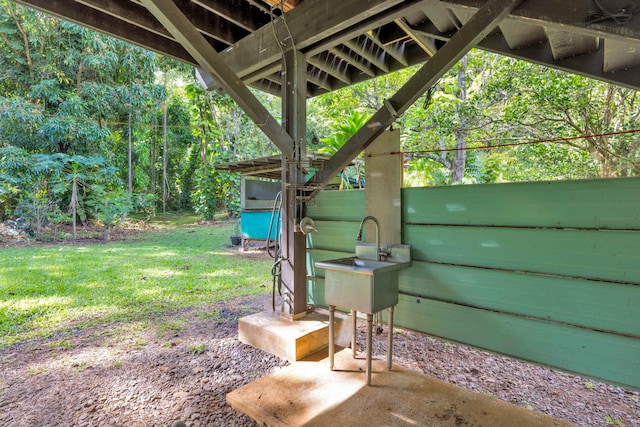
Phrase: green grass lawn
x=52 y=289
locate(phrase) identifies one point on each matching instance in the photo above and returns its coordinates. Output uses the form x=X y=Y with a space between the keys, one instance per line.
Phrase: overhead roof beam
x=390 y=49
x=194 y=42
x=420 y=38
x=136 y=14
x=369 y=56
x=588 y=64
x=248 y=18
x=130 y=12
x=108 y=24
x=570 y=15
x=322 y=65
x=342 y=20
x=351 y=61
x=477 y=28
x=210 y=24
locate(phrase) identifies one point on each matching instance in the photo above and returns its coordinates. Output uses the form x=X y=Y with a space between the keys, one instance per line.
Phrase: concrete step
x=292 y=340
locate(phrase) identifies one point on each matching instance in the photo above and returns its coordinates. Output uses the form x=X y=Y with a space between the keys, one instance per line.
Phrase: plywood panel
x=606 y=255
x=613 y=203
x=334 y=235
x=337 y=206
x=315 y=291
x=613 y=358
x=322 y=255
x=597 y=305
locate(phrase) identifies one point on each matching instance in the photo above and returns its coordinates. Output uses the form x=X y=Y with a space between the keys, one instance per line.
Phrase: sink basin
x=357 y=265
x=362 y=284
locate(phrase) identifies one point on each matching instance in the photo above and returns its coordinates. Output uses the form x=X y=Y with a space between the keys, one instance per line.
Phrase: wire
x=512 y=144
x=620 y=16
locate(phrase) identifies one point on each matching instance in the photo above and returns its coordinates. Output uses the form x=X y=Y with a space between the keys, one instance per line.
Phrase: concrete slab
x=307 y=393
x=292 y=339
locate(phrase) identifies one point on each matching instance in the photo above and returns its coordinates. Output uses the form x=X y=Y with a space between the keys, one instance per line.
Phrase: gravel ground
x=177 y=369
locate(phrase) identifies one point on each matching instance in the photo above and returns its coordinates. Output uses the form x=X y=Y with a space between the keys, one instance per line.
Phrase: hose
x=276 y=270
x=276 y=267
x=277 y=207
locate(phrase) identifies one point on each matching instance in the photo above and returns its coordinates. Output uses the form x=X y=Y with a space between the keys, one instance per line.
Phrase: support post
x=294 y=266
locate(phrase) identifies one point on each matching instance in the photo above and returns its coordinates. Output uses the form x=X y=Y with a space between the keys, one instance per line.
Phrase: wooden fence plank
x=604 y=255
x=314 y=255
x=598 y=305
x=613 y=203
x=609 y=357
x=337 y=206
x=334 y=235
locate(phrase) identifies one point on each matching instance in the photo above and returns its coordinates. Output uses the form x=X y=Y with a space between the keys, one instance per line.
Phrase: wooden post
x=294 y=251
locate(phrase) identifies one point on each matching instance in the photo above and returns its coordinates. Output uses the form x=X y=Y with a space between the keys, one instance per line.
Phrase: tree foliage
x=92 y=127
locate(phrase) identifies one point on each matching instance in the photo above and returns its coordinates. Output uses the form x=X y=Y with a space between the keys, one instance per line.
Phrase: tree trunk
x=74 y=206
x=460 y=161
x=130 y=159
x=459 y=164
x=153 y=172
x=165 y=162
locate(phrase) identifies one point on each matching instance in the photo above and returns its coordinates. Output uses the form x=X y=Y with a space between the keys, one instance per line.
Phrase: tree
x=549 y=104
x=341 y=131
x=68 y=90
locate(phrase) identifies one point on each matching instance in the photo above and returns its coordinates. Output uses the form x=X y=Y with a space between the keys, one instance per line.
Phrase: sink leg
x=369 y=331
x=354 y=336
x=332 y=313
x=390 y=340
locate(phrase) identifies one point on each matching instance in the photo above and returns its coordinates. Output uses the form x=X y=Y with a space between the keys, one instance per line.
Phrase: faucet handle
x=383 y=254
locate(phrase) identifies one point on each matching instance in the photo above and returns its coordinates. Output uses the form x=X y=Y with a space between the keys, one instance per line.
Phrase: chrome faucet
x=379 y=253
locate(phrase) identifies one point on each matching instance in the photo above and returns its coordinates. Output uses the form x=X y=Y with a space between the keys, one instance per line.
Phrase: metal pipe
x=354 y=335
x=390 y=340
x=332 y=313
x=359 y=236
x=369 y=332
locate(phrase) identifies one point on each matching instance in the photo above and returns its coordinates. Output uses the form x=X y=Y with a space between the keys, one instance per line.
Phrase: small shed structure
x=261 y=181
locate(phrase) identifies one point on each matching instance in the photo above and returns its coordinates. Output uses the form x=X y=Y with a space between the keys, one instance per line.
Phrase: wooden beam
x=210 y=24
x=421 y=39
x=322 y=83
x=344 y=56
x=321 y=64
x=571 y=16
x=286 y=5
x=248 y=18
x=366 y=54
x=294 y=272
x=309 y=33
x=183 y=31
x=105 y=23
x=477 y=28
x=390 y=49
x=130 y=12
x=588 y=64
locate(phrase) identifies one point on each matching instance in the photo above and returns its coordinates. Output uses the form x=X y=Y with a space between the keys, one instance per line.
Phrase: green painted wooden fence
x=546 y=272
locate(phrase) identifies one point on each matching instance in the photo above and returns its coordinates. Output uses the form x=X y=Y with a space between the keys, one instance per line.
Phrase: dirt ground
x=176 y=369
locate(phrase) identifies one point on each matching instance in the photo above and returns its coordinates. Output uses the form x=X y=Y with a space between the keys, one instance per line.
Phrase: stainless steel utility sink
x=367 y=282
x=364 y=284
